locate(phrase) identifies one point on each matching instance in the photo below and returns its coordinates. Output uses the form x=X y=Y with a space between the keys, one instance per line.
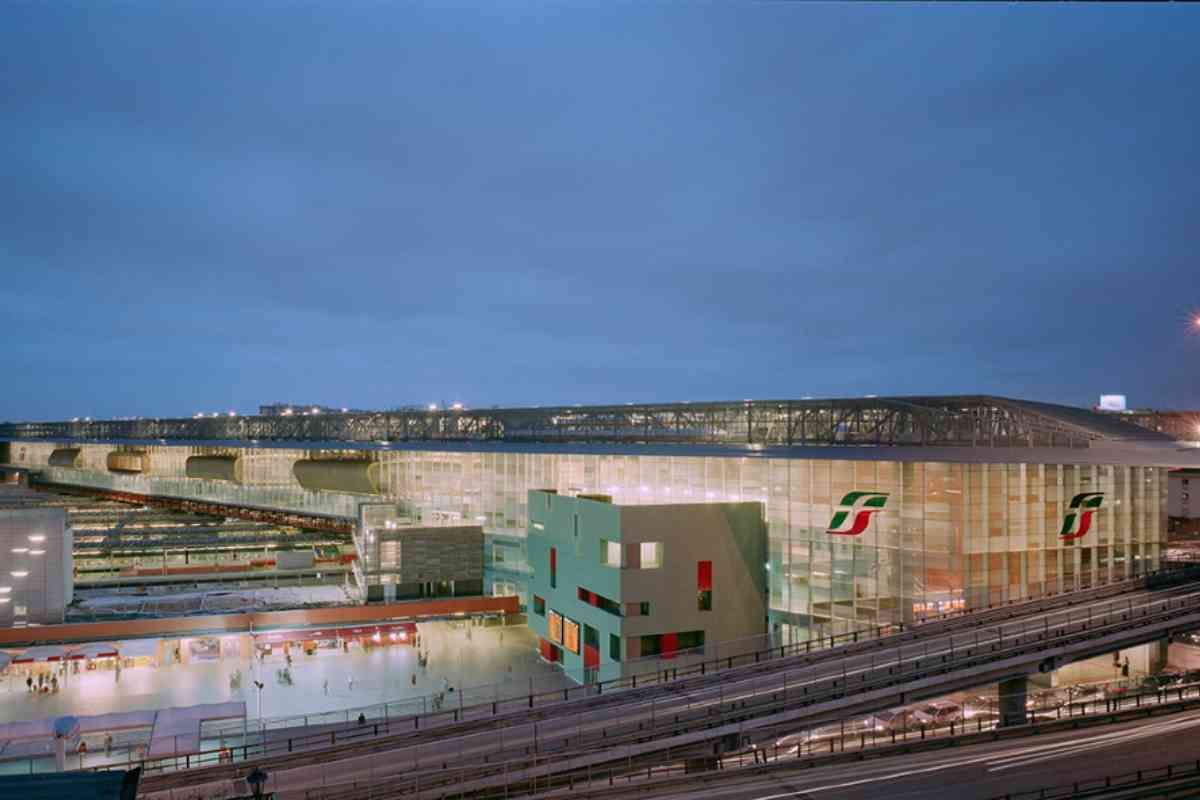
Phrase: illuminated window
x=570 y=639
x=556 y=627
x=651 y=553
x=610 y=553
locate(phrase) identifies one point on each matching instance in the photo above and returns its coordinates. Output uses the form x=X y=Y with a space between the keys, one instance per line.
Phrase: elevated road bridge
x=705 y=713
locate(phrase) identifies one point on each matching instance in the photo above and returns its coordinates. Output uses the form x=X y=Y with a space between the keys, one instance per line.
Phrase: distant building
x=613 y=584
x=37 y=576
x=301 y=410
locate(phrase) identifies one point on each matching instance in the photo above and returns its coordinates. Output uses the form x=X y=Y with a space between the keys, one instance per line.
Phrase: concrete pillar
x=1012 y=702
x=1159 y=652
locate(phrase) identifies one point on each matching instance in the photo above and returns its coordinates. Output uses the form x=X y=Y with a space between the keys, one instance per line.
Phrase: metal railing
x=1142 y=778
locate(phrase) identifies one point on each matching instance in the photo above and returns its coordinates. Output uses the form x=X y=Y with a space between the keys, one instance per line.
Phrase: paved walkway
x=481 y=664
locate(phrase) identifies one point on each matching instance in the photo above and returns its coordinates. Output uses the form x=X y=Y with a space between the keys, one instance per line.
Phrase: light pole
x=259 y=686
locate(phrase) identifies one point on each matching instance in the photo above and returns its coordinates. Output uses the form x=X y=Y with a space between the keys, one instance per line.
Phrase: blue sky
x=208 y=206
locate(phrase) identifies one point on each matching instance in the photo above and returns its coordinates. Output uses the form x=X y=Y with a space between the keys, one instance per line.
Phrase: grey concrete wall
x=434 y=554
x=731 y=535
x=36 y=566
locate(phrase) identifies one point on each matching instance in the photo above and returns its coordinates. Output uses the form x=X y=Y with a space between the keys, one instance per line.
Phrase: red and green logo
x=854 y=512
x=1079 y=514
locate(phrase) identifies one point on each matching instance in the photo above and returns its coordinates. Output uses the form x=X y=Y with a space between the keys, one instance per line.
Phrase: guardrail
x=1142 y=778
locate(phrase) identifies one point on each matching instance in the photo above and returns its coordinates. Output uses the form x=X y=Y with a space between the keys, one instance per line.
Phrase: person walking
x=29 y=683
x=325 y=686
x=350 y=682
x=414 y=679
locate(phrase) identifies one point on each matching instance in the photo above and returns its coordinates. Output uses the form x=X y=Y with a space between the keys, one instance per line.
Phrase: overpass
x=706 y=712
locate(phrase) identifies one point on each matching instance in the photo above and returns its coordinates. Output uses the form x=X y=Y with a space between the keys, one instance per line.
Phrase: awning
x=94 y=650
x=45 y=652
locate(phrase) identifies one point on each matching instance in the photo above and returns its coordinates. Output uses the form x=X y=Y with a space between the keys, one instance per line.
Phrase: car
x=1190 y=676
x=1045 y=700
x=1120 y=689
x=836 y=730
x=1152 y=683
x=898 y=720
x=943 y=712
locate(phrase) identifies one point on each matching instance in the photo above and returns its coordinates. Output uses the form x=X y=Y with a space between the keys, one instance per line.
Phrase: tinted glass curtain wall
x=935 y=536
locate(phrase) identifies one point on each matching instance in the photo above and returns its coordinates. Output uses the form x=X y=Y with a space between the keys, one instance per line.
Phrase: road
x=979 y=772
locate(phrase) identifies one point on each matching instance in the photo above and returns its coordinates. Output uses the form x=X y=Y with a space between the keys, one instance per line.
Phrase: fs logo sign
x=1078 y=520
x=855 y=512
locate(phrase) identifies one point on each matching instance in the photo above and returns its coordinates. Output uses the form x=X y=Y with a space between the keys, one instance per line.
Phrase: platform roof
x=915 y=421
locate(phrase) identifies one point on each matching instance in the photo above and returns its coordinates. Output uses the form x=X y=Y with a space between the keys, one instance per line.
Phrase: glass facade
x=947 y=536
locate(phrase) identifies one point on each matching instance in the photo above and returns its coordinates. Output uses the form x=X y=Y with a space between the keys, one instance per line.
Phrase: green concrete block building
x=614 y=584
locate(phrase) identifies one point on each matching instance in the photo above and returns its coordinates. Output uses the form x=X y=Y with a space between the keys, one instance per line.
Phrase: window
x=704 y=585
x=539 y=606
x=498 y=554
x=570 y=638
x=578 y=541
x=637 y=609
x=599 y=601
x=651 y=555
x=553 y=567
x=610 y=553
x=556 y=627
x=614 y=647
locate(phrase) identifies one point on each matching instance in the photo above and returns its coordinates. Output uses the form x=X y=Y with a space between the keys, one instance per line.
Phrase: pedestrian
x=54 y=684
x=414 y=679
x=350 y=682
x=107 y=743
x=29 y=683
x=362 y=718
x=325 y=686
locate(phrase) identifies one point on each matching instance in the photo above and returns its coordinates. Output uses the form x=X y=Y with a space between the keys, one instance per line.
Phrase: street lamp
x=259 y=686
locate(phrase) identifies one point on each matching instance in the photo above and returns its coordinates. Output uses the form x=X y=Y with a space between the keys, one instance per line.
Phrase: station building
x=614 y=584
x=876 y=510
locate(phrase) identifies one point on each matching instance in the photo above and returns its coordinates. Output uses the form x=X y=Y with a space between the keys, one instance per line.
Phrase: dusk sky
x=210 y=206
